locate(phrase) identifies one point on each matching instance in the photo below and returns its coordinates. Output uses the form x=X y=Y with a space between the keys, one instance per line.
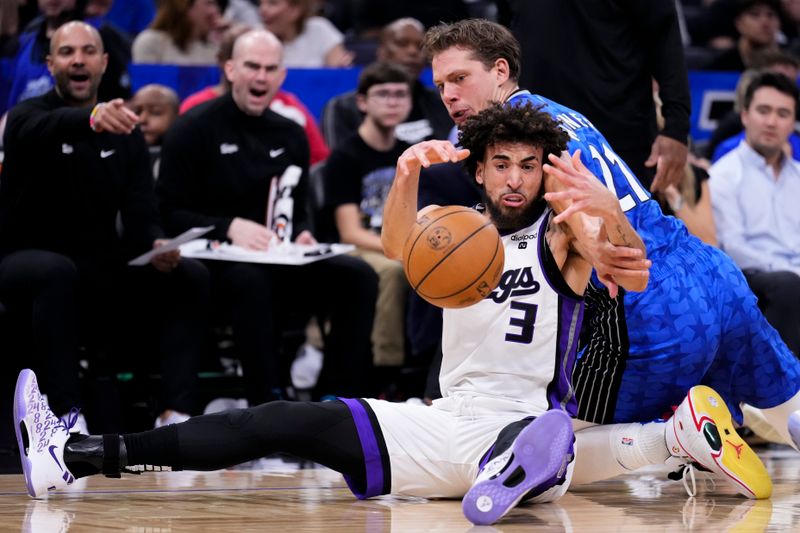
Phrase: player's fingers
x=611 y=285
x=461 y=154
x=580 y=168
x=626 y=252
x=561 y=170
x=443 y=153
x=557 y=173
x=450 y=150
x=555 y=196
x=421 y=157
x=564 y=215
x=628 y=272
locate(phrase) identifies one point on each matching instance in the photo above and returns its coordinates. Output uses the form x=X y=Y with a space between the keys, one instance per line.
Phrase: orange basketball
x=453 y=257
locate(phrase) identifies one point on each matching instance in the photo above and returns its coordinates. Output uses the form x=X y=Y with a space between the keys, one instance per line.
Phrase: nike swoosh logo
x=52 y=453
x=106 y=153
x=275 y=153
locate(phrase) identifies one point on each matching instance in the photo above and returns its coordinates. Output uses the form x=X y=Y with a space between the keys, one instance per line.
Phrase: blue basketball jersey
x=661 y=234
x=697 y=321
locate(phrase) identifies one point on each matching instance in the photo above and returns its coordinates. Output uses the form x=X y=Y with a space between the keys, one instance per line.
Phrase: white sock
x=603 y=452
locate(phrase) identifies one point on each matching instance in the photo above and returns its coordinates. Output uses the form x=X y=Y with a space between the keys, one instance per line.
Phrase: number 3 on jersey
x=627 y=202
x=523 y=323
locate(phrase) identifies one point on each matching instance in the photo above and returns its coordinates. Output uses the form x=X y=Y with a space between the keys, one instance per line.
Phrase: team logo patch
x=627 y=441
x=439 y=238
x=522 y=245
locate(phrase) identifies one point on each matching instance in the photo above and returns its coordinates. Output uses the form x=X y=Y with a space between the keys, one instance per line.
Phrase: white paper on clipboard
x=281 y=254
x=172 y=244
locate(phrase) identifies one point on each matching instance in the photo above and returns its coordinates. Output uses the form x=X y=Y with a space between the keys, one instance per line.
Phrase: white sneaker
x=224 y=404
x=41 y=437
x=702 y=430
x=173 y=417
x=76 y=422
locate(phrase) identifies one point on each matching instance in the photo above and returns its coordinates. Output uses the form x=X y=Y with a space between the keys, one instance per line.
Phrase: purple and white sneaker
x=535 y=462
x=41 y=437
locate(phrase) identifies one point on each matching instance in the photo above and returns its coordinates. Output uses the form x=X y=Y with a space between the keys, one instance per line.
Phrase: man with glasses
x=358 y=176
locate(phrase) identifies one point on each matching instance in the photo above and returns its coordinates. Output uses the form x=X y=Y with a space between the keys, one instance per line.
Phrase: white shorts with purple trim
x=429 y=452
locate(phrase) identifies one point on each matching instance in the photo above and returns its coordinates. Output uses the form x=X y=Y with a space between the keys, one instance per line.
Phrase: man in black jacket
x=599 y=58
x=72 y=165
x=218 y=161
x=29 y=74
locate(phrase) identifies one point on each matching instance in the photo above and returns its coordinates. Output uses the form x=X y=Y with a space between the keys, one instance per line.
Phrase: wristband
x=95 y=109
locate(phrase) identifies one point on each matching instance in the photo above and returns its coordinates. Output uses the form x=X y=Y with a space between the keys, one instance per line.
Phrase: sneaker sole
x=20 y=408
x=746 y=466
x=540 y=451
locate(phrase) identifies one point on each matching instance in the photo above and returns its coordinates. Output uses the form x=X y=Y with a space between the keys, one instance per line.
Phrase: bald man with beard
x=218 y=161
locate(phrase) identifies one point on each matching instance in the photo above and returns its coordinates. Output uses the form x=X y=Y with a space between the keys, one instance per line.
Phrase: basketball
x=453 y=257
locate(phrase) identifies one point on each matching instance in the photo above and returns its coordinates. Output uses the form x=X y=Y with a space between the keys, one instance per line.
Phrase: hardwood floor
x=277 y=496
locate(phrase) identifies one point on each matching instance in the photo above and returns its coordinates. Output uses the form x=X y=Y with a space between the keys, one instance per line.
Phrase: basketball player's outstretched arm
x=400 y=211
x=603 y=234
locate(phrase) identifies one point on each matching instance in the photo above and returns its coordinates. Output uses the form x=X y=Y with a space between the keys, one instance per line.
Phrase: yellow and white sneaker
x=702 y=430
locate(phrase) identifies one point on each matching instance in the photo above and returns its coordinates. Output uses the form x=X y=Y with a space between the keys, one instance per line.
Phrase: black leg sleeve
x=321 y=432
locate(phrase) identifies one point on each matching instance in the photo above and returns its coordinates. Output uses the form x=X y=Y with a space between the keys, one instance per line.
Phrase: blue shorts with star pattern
x=700 y=324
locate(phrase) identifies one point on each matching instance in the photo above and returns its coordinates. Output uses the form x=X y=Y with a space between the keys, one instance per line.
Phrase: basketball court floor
x=277 y=496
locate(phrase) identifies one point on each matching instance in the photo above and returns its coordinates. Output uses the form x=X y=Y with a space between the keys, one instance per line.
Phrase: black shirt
x=217 y=164
x=62 y=184
x=358 y=174
x=598 y=57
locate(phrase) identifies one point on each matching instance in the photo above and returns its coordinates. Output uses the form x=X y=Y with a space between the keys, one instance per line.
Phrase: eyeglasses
x=385 y=95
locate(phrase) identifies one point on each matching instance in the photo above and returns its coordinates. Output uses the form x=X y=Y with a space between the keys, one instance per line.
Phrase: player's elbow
x=390 y=247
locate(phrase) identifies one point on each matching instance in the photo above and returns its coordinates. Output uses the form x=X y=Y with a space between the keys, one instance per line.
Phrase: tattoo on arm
x=623 y=236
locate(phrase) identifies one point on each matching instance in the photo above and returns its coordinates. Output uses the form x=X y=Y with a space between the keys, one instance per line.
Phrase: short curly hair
x=504 y=123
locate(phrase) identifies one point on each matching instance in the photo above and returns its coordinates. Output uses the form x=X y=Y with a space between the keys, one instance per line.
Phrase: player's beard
x=513 y=219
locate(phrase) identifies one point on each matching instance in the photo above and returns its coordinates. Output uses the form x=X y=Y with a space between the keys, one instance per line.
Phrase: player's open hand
x=577 y=189
x=114 y=117
x=427 y=153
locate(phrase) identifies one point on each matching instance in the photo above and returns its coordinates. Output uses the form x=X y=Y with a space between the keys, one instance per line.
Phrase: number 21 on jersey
x=626 y=201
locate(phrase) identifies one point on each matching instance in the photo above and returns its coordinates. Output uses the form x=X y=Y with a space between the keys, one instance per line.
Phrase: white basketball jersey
x=520 y=342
